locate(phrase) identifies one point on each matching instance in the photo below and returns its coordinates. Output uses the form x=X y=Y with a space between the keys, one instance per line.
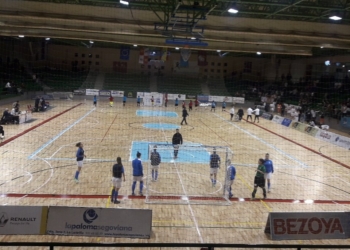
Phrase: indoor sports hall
x=177 y=124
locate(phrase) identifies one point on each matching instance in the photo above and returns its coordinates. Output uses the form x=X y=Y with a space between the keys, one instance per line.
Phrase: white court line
x=264 y=142
x=73 y=159
x=188 y=202
x=59 y=135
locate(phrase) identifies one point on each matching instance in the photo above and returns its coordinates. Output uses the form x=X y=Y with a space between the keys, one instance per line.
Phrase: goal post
x=186 y=179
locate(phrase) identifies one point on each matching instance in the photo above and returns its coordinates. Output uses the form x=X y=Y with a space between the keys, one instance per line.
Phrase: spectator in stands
x=2 y=132
x=8 y=85
x=283 y=108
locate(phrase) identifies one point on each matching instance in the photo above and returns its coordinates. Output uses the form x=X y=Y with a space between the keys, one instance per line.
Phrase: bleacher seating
x=179 y=84
x=217 y=87
x=61 y=80
x=127 y=82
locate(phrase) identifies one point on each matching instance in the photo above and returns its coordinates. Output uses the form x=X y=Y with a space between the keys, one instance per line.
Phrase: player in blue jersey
x=230 y=177
x=214 y=166
x=138 y=101
x=80 y=158
x=95 y=100
x=213 y=105
x=118 y=173
x=124 y=101
x=269 y=171
x=137 y=172
x=155 y=161
x=223 y=106
x=176 y=103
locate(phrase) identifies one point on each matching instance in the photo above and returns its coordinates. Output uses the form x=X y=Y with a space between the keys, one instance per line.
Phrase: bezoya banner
x=23 y=220
x=308 y=225
x=104 y=222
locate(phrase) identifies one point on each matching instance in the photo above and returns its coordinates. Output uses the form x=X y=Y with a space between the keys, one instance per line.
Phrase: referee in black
x=177 y=140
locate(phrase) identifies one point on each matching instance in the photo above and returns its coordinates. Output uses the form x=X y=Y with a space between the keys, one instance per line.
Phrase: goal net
x=186 y=179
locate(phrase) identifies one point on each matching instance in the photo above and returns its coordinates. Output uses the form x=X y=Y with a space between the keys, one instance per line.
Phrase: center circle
x=166 y=126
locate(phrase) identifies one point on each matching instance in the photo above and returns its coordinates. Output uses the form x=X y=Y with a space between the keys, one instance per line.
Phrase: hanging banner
x=92 y=92
x=117 y=93
x=124 y=53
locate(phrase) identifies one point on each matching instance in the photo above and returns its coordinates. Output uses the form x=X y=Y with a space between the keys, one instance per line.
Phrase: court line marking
x=59 y=134
x=109 y=127
x=188 y=202
x=264 y=142
x=36 y=126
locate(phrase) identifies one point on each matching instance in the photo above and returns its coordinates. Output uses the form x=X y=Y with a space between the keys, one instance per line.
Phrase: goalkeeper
x=214 y=166
x=155 y=161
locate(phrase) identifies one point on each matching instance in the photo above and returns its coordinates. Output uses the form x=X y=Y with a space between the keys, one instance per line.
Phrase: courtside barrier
x=308 y=225
x=101 y=222
x=23 y=220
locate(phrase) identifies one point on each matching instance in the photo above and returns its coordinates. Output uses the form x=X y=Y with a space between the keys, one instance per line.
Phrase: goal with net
x=186 y=178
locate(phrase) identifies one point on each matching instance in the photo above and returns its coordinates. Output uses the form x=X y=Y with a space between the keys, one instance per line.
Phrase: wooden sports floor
x=38 y=165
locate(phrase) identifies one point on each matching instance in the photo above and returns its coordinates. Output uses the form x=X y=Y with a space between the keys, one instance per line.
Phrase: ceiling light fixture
x=91 y=42
x=193 y=38
x=21 y=36
x=47 y=38
x=258 y=53
x=177 y=48
x=124 y=2
x=335 y=17
x=135 y=45
x=233 y=9
x=218 y=51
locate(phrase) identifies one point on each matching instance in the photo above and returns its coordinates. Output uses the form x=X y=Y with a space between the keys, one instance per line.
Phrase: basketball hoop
x=185 y=53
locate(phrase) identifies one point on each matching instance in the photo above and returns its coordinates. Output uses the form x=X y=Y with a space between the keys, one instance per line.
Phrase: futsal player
x=196 y=103
x=138 y=101
x=118 y=173
x=184 y=115
x=214 y=166
x=152 y=101
x=190 y=104
x=230 y=177
x=124 y=100
x=269 y=171
x=80 y=158
x=259 y=180
x=111 y=99
x=176 y=103
x=137 y=173
x=223 y=106
x=249 y=114
x=155 y=161
x=177 y=141
x=95 y=101
x=213 y=105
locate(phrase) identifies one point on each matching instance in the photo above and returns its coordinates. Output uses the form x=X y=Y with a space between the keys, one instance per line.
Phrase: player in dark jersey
x=259 y=180
x=118 y=173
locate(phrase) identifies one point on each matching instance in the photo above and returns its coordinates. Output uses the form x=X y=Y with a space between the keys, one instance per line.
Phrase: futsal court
x=38 y=167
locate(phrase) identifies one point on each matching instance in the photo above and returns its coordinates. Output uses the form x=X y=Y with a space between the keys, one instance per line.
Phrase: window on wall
x=212 y=70
x=97 y=56
x=225 y=64
x=82 y=55
x=76 y=54
x=90 y=62
x=82 y=62
x=90 y=55
x=219 y=64
x=225 y=71
x=212 y=64
x=97 y=63
x=162 y=67
x=206 y=70
x=218 y=71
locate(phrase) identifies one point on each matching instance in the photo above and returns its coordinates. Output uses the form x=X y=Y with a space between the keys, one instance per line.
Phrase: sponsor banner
x=305 y=128
x=299 y=126
x=238 y=100
x=92 y=92
x=105 y=93
x=220 y=98
x=117 y=93
x=100 y=222
x=345 y=122
x=311 y=130
x=79 y=92
x=277 y=119
x=157 y=99
x=326 y=136
x=140 y=94
x=180 y=97
x=191 y=96
x=308 y=225
x=203 y=98
x=124 y=53
x=23 y=220
x=286 y=122
x=342 y=141
x=266 y=116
